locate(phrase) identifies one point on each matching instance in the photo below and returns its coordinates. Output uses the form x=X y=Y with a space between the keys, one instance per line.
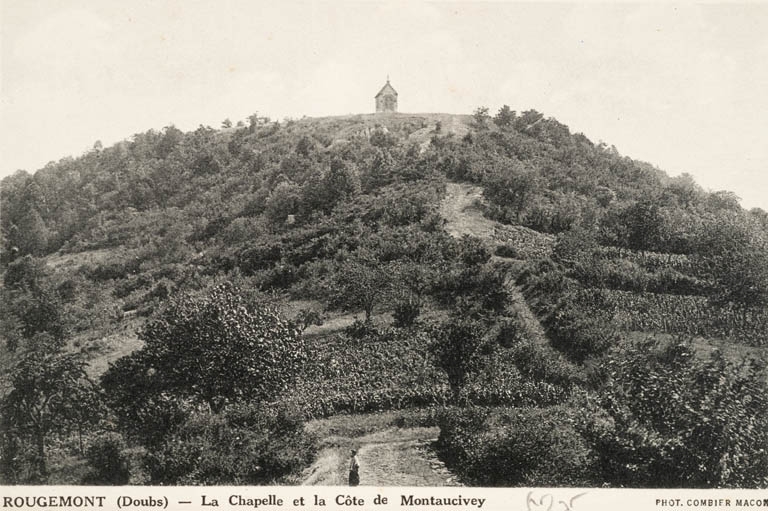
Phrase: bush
x=245 y=444
x=578 y=335
x=108 y=461
x=474 y=288
x=507 y=250
x=360 y=329
x=670 y=419
x=516 y=447
x=224 y=347
x=406 y=313
x=120 y=268
x=539 y=363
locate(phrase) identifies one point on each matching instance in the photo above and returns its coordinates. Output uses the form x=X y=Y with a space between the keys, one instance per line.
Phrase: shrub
x=671 y=419
x=457 y=349
x=360 y=329
x=516 y=447
x=245 y=444
x=538 y=363
x=510 y=333
x=507 y=250
x=225 y=347
x=580 y=336
x=108 y=461
x=117 y=269
x=406 y=313
x=475 y=287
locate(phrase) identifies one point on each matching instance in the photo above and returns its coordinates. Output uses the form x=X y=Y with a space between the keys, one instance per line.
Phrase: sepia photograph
x=383 y=244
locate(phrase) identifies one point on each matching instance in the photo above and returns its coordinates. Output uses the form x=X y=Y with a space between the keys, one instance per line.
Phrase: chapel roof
x=386 y=89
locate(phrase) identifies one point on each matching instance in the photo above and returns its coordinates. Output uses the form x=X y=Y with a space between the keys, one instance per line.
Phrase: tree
x=323 y=191
x=512 y=187
x=362 y=282
x=527 y=119
x=283 y=201
x=342 y=179
x=505 y=118
x=723 y=200
x=575 y=245
x=31 y=233
x=31 y=302
x=643 y=226
x=50 y=392
x=480 y=118
x=217 y=349
x=761 y=216
x=457 y=347
x=254 y=121
x=743 y=277
x=735 y=249
x=685 y=189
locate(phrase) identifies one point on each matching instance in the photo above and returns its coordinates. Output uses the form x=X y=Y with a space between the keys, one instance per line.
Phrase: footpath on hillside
x=461 y=213
x=393 y=456
x=403 y=456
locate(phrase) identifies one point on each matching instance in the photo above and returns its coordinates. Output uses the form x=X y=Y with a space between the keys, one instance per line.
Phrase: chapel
x=386 y=99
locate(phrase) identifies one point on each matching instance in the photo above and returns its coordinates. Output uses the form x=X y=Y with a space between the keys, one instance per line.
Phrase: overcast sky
x=682 y=86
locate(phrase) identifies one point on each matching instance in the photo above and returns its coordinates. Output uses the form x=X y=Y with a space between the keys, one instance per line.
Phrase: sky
x=682 y=86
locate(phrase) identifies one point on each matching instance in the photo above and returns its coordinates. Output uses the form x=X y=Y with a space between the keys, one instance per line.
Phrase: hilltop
x=423 y=285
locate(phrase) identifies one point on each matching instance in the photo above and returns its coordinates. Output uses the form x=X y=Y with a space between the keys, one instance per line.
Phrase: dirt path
x=388 y=455
x=461 y=213
x=453 y=125
x=403 y=463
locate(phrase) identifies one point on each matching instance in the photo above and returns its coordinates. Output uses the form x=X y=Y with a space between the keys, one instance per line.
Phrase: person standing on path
x=354 y=469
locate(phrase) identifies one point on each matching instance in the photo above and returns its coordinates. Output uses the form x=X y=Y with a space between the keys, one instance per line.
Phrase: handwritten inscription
x=546 y=502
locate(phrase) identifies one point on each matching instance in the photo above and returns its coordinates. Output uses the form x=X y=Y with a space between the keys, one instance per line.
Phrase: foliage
x=537 y=363
x=283 y=201
x=405 y=313
x=559 y=302
x=361 y=283
x=512 y=188
x=474 y=290
x=308 y=317
x=346 y=211
x=217 y=349
x=50 y=393
x=578 y=335
x=361 y=329
x=392 y=368
x=108 y=461
x=516 y=447
x=456 y=349
x=32 y=303
x=245 y=444
x=735 y=249
x=676 y=314
x=480 y=118
x=506 y=250
x=525 y=243
x=505 y=118
x=642 y=225
x=673 y=420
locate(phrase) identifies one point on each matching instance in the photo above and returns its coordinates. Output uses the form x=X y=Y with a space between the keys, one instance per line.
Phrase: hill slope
x=403 y=247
